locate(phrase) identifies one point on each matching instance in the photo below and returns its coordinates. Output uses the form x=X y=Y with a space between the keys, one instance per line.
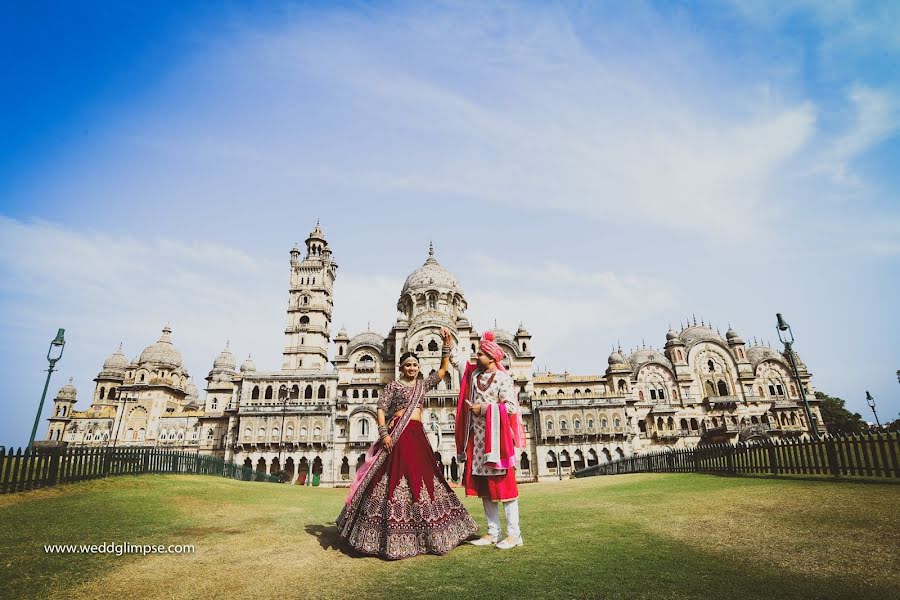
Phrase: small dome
x=640 y=357
x=116 y=362
x=162 y=353
x=672 y=335
x=615 y=359
x=521 y=330
x=430 y=275
x=732 y=337
x=67 y=392
x=758 y=354
x=225 y=360
x=248 y=366
x=342 y=335
x=368 y=338
x=699 y=333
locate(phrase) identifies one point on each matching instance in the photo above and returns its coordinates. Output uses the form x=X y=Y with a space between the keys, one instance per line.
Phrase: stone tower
x=309 y=306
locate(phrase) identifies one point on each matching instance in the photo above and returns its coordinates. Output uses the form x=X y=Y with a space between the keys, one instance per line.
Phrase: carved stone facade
x=315 y=418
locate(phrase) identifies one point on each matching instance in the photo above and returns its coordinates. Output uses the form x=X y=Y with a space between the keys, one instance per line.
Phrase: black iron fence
x=37 y=467
x=859 y=456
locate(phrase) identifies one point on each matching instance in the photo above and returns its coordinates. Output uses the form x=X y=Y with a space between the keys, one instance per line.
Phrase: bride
x=400 y=505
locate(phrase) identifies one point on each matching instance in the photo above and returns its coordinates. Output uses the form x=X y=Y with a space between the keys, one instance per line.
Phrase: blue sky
x=596 y=170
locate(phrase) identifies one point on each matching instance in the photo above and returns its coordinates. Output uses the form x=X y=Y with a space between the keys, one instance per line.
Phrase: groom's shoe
x=485 y=540
x=510 y=542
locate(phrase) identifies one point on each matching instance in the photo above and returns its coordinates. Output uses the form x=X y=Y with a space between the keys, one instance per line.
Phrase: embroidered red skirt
x=406 y=508
x=498 y=488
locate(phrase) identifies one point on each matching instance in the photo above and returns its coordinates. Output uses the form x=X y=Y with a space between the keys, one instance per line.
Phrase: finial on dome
x=430 y=248
x=695 y=319
x=71 y=379
x=495 y=322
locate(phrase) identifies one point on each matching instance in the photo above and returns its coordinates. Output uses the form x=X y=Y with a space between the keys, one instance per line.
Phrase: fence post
x=773 y=457
x=831 y=453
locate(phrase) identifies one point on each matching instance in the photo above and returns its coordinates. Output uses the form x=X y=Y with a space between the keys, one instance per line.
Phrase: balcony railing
x=722 y=399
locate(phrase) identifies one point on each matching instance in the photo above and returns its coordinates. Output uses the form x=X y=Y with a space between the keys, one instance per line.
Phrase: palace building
x=314 y=417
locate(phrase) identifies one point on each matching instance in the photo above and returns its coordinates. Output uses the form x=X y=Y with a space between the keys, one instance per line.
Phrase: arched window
x=295 y=392
x=549 y=425
x=432 y=346
x=560 y=393
x=317 y=431
x=710 y=366
x=551 y=460
x=590 y=423
x=577 y=424
x=363 y=427
x=209 y=434
x=622 y=386
x=304 y=320
x=419 y=348
x=543 y=392
x=254 y=395
x=322 y=391
x=307 y=394
x=617 y=422
x=661 y=393
x=356 y=393
x=102 y=393
x=268 y=392
x=365 y=393
x=563 y=425
x=723 y=388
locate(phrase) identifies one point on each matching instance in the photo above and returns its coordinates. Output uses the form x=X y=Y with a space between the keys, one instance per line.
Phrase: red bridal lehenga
x=400 y=505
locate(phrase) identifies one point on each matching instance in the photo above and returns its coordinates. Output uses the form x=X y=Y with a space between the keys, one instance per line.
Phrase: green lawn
x=626 y=536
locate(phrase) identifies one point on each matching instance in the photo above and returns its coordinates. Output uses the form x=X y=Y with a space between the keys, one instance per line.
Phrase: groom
x=488 y=431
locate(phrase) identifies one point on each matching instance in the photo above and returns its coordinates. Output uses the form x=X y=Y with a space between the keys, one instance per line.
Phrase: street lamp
x=787 y=338
x=56 y=346
x=871 y=402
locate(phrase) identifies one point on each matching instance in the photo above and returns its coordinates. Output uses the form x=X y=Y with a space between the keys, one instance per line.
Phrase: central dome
x=430 y=276
x=162 y=353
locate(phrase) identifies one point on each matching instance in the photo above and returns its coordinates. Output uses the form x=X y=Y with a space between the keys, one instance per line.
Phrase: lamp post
x=871 y=402
x=57 y=345
x=787 y=338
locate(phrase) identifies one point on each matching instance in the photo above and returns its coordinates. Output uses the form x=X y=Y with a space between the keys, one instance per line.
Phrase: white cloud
x=877 y=117
x=517 y=108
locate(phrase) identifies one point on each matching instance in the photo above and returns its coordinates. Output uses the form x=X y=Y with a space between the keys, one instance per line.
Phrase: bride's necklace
x=412 y=384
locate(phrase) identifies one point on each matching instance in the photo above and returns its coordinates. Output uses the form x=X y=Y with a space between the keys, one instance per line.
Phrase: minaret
x=309 y=306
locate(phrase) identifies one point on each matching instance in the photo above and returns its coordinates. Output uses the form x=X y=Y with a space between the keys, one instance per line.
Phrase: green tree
x=837 y=418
